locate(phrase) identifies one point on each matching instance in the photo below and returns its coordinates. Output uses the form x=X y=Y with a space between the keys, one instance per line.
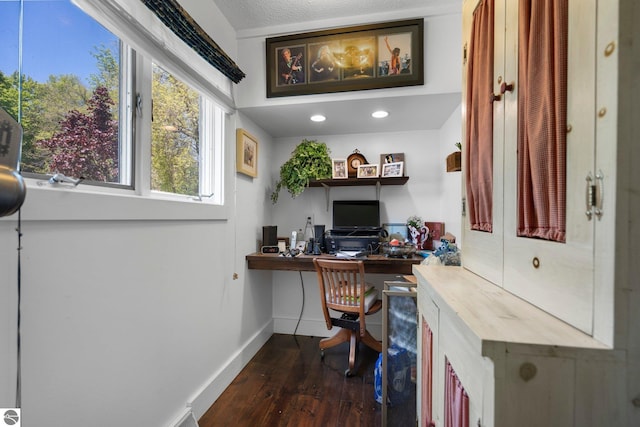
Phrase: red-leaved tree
x=87 y=144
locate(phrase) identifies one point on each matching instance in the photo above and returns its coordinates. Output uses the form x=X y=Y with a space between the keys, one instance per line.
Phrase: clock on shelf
x=354 y=160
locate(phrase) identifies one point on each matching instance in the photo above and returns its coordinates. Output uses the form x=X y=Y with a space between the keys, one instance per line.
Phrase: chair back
x=341 y=285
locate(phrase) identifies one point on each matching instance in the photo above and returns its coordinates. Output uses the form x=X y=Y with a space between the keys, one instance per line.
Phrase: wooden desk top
x=372 y=263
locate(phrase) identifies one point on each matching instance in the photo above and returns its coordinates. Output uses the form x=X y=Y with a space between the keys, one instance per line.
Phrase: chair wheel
x=348 y=373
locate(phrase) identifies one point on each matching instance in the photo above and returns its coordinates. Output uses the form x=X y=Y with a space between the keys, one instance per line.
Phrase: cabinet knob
x=504 y=87
x=494 y=97
x=527 y=371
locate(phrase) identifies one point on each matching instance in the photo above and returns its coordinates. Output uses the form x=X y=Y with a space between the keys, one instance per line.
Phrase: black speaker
x=270 y=235
x=318 y=232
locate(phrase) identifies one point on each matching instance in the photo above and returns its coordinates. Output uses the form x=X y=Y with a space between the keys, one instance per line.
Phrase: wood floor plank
x=287 y=383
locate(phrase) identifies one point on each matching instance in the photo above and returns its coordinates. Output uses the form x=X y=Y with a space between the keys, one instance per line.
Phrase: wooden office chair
x=341 y=286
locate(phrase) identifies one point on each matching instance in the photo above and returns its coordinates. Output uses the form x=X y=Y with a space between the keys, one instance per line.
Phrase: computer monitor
x=356 y=215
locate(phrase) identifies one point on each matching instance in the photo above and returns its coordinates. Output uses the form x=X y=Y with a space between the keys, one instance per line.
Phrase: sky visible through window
x=58 y=39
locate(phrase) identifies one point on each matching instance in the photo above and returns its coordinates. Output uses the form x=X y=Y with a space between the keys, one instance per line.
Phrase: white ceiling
x=272 y=17
x=252 y=14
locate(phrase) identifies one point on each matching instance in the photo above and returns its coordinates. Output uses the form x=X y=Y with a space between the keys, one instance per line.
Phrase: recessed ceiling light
x=318 y=118
x=381 y=114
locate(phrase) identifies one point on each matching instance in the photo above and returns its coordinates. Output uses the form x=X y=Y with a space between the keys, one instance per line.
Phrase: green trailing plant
x=309 y=160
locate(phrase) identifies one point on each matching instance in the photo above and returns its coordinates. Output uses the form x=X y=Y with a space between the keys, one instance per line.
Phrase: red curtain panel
x=427 y=375
x=456 y=401
x=542 y=118
x=479 y=119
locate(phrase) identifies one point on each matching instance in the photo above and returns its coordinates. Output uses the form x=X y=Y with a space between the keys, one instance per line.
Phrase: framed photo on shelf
x=391 y=158
x=339 y=169
x=369 y=171
x=392 y=169
x=246 y=153
x=374 y=56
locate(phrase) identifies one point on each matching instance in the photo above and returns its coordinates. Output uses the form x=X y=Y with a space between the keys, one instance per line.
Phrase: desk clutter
x=357 y=232
x=390 y=240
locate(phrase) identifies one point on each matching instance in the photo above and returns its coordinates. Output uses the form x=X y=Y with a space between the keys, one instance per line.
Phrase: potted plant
x=309 y=160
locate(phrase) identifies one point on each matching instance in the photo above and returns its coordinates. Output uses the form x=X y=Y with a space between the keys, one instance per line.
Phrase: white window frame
x=46 y=201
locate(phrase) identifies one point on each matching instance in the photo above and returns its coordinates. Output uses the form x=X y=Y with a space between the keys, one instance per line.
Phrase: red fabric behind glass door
x=479 y=121
x=542 y=118
x=427 y=375
x=456 y=401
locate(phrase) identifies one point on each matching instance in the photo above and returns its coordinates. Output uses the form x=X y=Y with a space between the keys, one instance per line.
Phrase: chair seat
x=370 y=298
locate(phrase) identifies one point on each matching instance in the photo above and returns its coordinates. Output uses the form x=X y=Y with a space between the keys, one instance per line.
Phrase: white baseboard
x=315 y=328
x=188 y=419
x=219 y=381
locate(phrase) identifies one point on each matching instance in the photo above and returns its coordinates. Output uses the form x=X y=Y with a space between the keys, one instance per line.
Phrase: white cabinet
x=519 y=365
x=542 y=332
x=548 y=273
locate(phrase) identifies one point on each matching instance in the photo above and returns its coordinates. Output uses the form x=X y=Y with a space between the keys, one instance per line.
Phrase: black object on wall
x=12 y=187
x=270 y=235
x=182 y=24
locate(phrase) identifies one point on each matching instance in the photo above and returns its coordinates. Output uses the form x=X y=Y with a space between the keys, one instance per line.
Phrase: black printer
x=356 y=227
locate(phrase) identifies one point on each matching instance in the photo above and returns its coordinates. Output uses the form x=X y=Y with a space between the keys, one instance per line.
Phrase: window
x=175 y=142
x=60 y=80
x=71 y=83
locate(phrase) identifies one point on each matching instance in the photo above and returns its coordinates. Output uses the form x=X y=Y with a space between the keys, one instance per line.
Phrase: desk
x=372 y=263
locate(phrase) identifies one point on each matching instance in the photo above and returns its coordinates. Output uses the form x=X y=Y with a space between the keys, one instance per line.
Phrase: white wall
x=450 y=133
x=131 y=320
x=442 y=41
x=430 y=192
x=126 y=322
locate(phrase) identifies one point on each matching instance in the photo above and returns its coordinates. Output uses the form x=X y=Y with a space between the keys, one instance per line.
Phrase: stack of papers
x=351 y=254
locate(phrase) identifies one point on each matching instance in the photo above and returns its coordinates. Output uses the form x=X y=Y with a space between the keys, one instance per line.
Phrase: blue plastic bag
x=398 y=377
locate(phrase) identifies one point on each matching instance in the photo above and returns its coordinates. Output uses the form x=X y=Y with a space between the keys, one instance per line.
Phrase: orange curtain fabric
x=427 y=375
x=456 y=400
x=542 y=118
x=479 y=122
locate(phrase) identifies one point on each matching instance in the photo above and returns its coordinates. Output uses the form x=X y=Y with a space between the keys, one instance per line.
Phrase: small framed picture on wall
x=246 y=153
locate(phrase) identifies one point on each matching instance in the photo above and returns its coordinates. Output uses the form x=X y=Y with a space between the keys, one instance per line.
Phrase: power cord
x=19 y=340
x=302 y=308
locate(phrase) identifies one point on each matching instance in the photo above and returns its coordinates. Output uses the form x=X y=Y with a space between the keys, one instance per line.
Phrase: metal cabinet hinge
x=594 y=195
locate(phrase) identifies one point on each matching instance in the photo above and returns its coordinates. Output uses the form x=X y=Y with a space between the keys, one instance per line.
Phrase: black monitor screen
x=356 y=214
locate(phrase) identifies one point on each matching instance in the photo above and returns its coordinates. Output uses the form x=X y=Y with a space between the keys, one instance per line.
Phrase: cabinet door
x=556 y=276
x=483 y=250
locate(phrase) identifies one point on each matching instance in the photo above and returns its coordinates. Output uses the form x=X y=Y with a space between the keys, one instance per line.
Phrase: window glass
x=72 y=85
x=9 y=53
x=175 y=146
x=61 y=81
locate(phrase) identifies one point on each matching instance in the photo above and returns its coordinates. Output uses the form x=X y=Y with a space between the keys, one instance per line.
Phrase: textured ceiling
x=252 y=14
x=259 y=18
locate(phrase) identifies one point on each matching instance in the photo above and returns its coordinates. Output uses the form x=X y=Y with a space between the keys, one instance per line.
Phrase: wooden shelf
x=351 y=182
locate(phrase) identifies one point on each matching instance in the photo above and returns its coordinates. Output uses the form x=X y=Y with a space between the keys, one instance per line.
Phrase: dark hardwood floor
x=288 y=384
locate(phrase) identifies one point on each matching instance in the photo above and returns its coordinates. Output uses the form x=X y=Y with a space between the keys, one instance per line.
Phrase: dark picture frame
x=375 y=56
